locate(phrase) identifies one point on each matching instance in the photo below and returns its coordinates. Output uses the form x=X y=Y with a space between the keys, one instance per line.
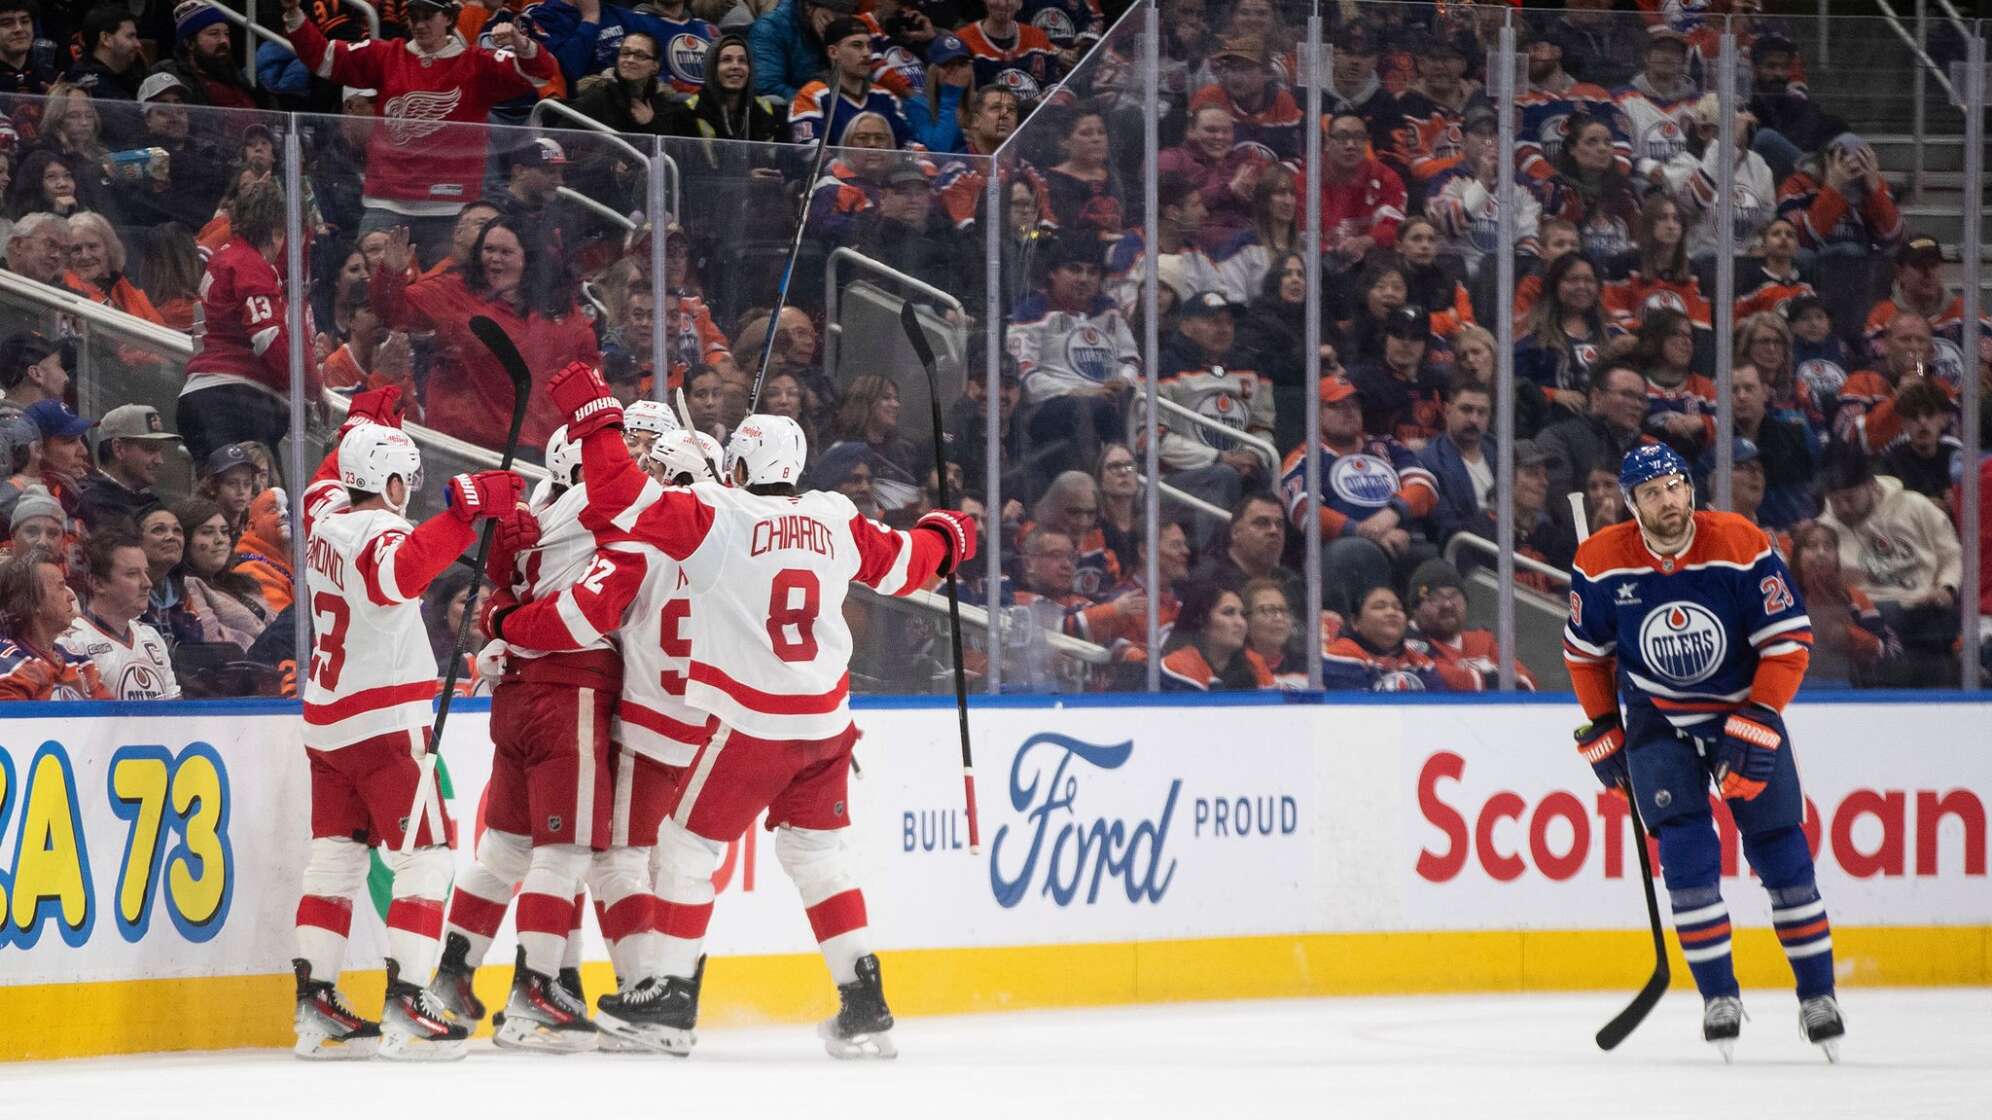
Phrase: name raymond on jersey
x=792 y=531
x=324 y=559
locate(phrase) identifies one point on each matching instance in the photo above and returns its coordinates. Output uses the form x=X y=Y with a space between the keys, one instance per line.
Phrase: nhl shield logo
x=1683 y=642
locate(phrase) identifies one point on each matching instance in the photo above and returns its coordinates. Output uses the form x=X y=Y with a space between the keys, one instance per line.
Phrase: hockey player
x=635 y=594
x=770 y=659
x=1691 y=622
x=366 y=723
x=643 y=422
x=548 y=805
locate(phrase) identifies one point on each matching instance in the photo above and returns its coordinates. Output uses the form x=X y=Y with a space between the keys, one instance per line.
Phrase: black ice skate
x=327 y=1029
x=863 y=1026
x=414 y=1026
x=541 y=1015
x=656 y=1015
x=1819 y=1017
x=1722 y=1024
x=452 y=988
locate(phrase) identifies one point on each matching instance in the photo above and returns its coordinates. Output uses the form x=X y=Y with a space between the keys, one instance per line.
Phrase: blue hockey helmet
x=1646 y=463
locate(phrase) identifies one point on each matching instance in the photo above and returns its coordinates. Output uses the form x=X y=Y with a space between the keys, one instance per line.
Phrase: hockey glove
x=955 y=528
x=518 y=531
x=491 y=661
x=484 y=494
x=375 y=406
x=1602 y=743
x=1752 y=736
x=500 y=604
x=584 y=398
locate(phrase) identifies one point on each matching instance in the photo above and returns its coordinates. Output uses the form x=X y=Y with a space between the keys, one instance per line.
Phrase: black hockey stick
x=917 y=336
x=830 y=99
x=1627 y=1021
x=502 y=348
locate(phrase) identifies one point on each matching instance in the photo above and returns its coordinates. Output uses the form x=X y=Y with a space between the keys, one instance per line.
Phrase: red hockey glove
x=1751 y=738
x=375 y=406
x=957 y=529
x=584 y=398
x=518 y=531
x=484 y=494
x=1602 y=743
x=501 y=603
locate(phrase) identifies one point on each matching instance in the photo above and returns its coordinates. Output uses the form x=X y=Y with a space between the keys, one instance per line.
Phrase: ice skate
x=541 y=1015
x=657 y=1015
x=1819 y=1018
x=452 y=989
x=1722 y=1024
x=415 y=1027
x=863 y=1026
x=327 y=1029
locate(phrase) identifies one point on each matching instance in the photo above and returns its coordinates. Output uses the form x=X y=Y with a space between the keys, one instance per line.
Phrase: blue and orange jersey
x=814 y=105
x=1378 y=473
x=1544 y=124
x=1348 y=665
x=1272 y=132
x=1027 y=67
x=1628 y=300
x=1691 y=636
x=27 y=673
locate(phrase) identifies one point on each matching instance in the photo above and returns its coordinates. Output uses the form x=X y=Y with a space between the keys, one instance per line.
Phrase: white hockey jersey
x=565 y=550
x=636 y=595
x=768 y=574
x=133 y=667
x=372 y=671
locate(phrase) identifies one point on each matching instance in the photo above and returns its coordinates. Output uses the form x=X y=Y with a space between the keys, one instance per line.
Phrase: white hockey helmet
x=563 y=458
x=770 y=448
x=679 y=452
x=373 y=453
x=649 y=416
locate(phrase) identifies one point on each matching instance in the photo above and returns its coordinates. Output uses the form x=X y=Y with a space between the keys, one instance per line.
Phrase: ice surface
x=1909 y=1053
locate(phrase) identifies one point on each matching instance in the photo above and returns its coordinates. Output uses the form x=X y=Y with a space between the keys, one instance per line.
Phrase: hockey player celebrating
x=635 y=594
x=769 y=566
x=366 y=725
x=1690 y=620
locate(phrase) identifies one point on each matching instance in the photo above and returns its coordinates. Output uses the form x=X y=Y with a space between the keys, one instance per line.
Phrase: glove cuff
x=1752 y=730
x=950 y=531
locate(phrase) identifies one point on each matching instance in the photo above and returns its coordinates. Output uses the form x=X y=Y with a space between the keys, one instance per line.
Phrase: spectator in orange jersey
x=1120 y=621
x=1206 y=648
x=264 y=552
x=1468 y=660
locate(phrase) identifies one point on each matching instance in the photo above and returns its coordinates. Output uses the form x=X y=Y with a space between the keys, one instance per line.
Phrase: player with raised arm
x=769 y=566
x=367 y=715
x=1691 y=622
x=636 y=595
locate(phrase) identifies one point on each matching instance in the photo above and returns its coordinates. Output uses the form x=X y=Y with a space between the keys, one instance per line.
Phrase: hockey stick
x=910 y=320
x=831 y=97
x=1625 y=1022
x=426 y=802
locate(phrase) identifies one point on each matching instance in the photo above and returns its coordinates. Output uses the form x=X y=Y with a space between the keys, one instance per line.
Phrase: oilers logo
x=1665 y=299
x=1227 y=410
x=1398 y=680
x=1947 y=363
x=1749 y=214
x=903 y=62
x=1090 y=579
x=686 y=56
x=1683 y=642
x=1605 y=236
x=1552 y=134
x=1363 y=480
x=138 y=682
x=1583 y=359
x=1257 y=151
x=1089 y=354
x=1663 y=140
x=1056 y=25
x=1824 y=376
x=1020 y=83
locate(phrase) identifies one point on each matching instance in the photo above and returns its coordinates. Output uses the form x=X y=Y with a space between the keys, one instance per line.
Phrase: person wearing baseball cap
x=1403 y=393
x=228 y=479
x=535 y=170
x=65 y=459
x=1920 y=290
x=132 y=444
x=1202 y=373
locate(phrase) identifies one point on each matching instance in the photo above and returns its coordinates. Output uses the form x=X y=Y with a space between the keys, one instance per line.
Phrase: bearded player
x=768 y=566
x=1690 y=621
x=366 y=726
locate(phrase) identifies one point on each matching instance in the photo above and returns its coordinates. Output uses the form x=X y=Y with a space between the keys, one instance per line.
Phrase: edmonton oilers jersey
x=1686 y=631
x=1358 y=483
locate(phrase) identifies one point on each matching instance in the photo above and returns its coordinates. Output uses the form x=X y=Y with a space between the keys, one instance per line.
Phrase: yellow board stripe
x=227 y=1012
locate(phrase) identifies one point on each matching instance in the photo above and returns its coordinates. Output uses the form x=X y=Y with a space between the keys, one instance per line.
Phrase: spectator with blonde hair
x=96 y=267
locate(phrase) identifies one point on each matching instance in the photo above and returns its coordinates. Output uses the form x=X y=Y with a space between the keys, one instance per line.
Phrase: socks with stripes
x=1807 y=937
x=1701 y=924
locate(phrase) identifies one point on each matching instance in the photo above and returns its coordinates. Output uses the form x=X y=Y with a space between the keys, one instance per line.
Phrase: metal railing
x=978 y=617
x=1463 y=541
x=1259 y=444
x=1926 y=67
x=833 y=326
x=606 y=213
x=547 y=105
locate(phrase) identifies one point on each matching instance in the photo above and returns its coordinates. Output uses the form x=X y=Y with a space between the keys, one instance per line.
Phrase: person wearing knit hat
x=203 y=59
x=1468 y=659
x=37 y=520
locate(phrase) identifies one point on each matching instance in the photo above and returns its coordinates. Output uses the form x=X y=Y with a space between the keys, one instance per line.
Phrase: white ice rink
x=1909 y=1054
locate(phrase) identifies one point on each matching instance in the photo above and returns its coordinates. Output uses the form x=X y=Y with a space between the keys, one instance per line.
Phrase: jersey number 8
x=786 y=613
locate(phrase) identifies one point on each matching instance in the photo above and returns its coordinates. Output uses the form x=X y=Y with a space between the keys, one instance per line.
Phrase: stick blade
x=501 y=346
x=1627 y=1021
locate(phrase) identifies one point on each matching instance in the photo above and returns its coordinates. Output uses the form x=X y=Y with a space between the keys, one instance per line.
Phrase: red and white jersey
x=770 y=649
x=133 y=666
x=243 y=312
x=565 y=550
x=638 y=595
x=372 y=671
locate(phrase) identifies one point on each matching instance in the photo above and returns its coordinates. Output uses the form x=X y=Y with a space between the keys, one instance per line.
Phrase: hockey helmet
x=563 y=458
x=679 y=453
x=371 y=454
x=766 y=451
x=1646 y=463
x=649 y=416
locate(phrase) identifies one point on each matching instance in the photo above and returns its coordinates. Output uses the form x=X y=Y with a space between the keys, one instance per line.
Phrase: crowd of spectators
x=144 y=173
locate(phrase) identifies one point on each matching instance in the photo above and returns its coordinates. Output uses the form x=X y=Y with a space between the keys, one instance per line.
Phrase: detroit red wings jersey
x=244 y=337
x=637 y=596
x=372 y=671
x=770 y=649
x=133 y=666
x=427 y=155
x=565 y=550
